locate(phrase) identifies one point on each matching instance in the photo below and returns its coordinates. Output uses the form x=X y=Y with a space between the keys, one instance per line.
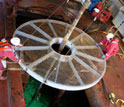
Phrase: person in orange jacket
x=111 y=46
x=113 y=49
x=7 y=51
x=106 y=42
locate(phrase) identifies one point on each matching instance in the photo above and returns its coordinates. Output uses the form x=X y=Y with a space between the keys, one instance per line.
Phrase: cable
x=47 y=76
x=51 y=15
x=95 y=18
x=107 y=91
x=61 y=4
x=49 y=72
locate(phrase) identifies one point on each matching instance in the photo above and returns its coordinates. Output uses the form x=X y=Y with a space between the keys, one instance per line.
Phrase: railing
x=122 y=1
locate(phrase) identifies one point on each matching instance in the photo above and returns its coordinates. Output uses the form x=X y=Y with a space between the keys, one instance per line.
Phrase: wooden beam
x=4 y=94
x=15 y=66
x=17 y=94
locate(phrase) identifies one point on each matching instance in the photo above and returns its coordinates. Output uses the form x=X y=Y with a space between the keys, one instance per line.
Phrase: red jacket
x=8 y=53
x=106 y=43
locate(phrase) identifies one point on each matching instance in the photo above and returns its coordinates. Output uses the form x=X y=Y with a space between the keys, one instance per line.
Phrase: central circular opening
x=66 y=51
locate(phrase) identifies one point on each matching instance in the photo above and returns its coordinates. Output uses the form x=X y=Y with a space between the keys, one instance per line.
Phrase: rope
x=111 y=97
x=106 y=91
x=113 y=101
x=95 y=18
x=49 y=17
x=46 y=77
x=61 y=4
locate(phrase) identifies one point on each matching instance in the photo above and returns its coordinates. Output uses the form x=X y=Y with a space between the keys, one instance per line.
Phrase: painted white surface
x=118 y=20
x=115 y=7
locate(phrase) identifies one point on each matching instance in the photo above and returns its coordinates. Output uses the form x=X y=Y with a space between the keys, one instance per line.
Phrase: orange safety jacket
x=4 y=45
x=107 y=45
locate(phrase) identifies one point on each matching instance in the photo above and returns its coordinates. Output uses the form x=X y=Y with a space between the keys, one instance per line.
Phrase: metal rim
x=63 y=58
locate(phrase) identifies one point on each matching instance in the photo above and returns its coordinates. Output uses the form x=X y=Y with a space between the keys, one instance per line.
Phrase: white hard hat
x=109 y=35
x=15 y=41
x=96 y=10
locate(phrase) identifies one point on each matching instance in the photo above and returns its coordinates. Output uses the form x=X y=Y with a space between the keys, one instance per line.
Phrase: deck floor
x=114 y=76
x=11 y=89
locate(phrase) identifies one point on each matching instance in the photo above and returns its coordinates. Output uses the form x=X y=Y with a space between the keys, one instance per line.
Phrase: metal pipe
x=67 y=36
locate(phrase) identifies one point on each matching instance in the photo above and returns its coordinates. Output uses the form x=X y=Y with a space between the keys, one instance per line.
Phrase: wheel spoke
x=85 y=47
x=88 y=56
x=40 y=60
x=50 y=70
x=31 y=37
x=57 y=71
x=86 y=66
x=75 y=72
x=92 y=64
x=41 y=39
x=77 y=38
x=52 y=29
x=40 y=30
x=28 y=48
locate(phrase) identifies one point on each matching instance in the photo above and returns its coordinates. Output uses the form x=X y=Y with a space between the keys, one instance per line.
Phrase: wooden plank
x=17 y=94
x=11 y=66
x=3 y=83
x=93 y=97
x=3 y=94
x=13 y=85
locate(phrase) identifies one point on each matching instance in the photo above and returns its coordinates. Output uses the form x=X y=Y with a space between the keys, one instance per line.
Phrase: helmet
x=96 y=10
x=109 y=36
x=15 y=41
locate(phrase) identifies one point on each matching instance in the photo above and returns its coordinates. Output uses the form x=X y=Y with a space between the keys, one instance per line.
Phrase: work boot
x=2 y=77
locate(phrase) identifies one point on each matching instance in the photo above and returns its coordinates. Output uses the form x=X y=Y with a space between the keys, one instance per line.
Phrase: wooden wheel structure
x=77 y=67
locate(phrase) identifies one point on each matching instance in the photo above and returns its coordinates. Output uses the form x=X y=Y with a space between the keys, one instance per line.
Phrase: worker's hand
x=97 y=45
x=82 y=2
x=3 y=40
x=20 y=45
x=103 y=56
x=19 y=61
